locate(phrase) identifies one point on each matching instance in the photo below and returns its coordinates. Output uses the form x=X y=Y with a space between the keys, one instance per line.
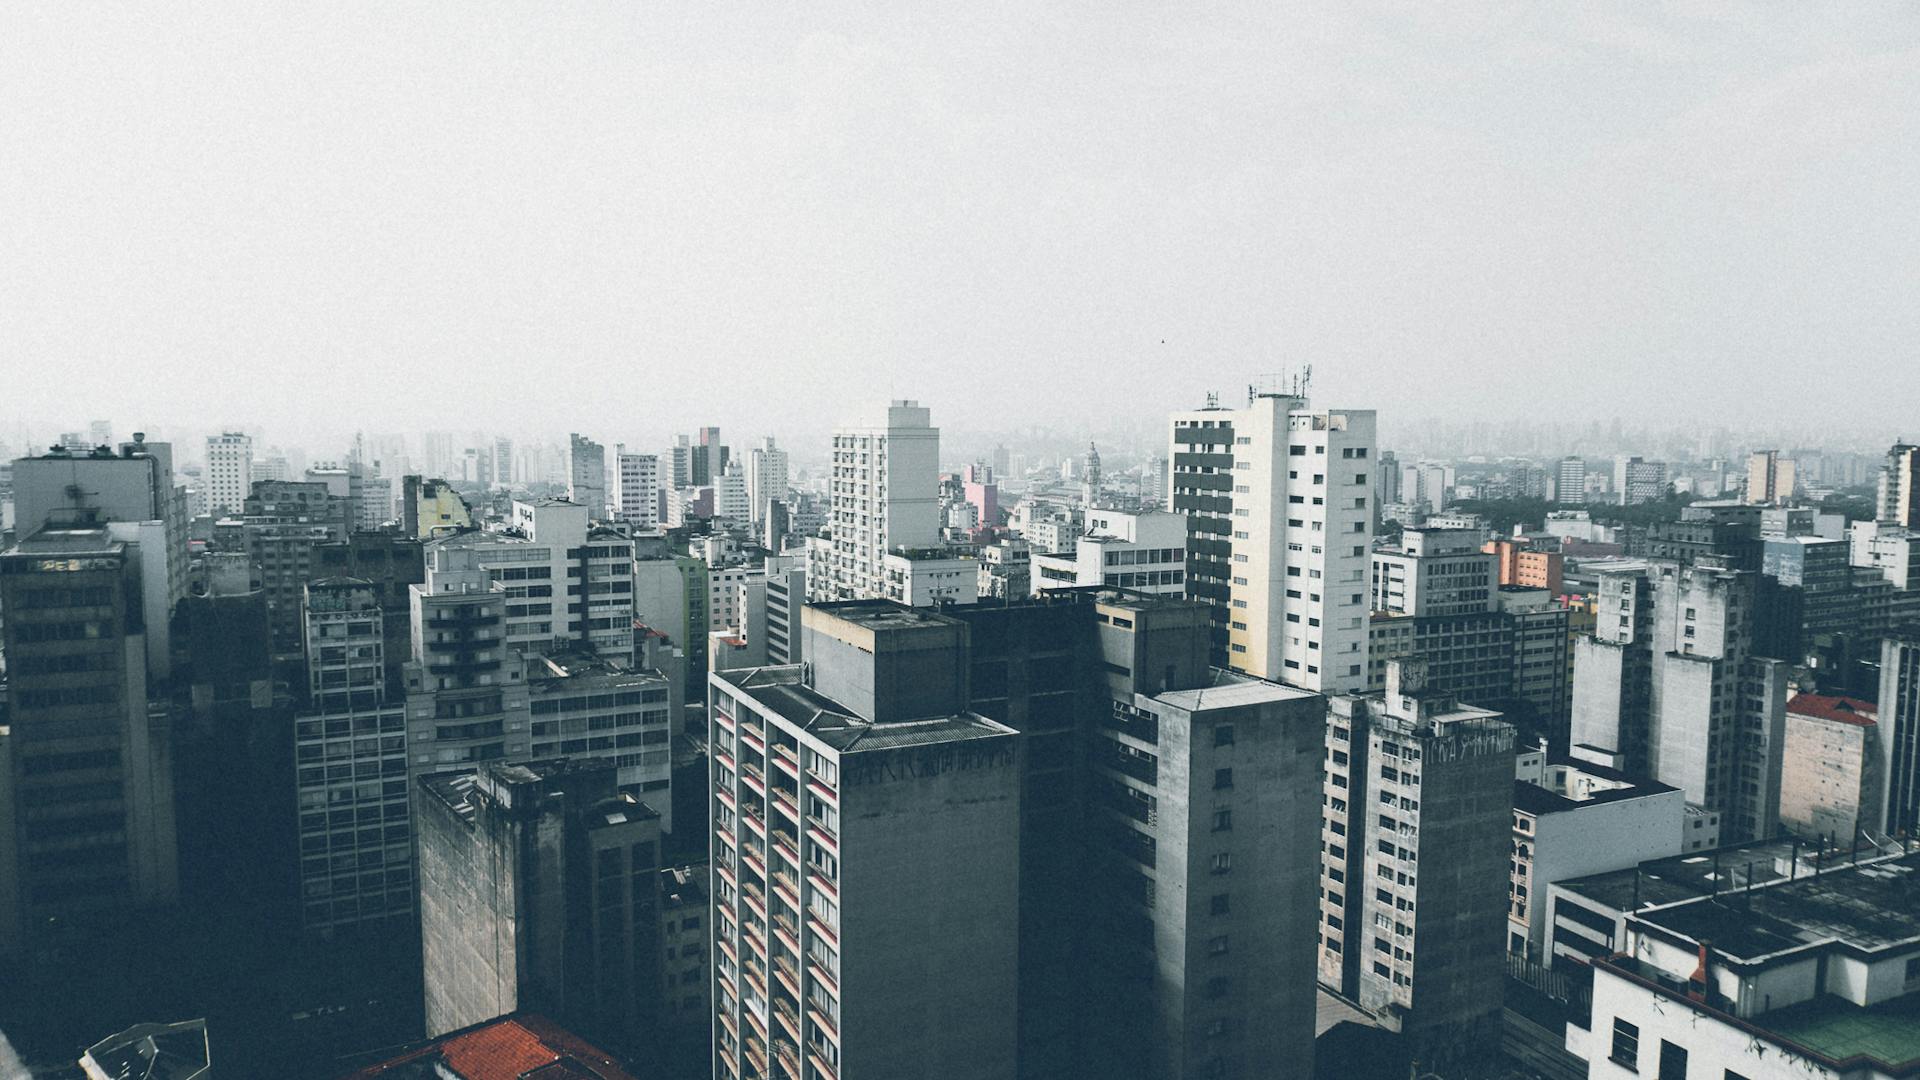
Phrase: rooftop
x=1869 y=906
x=882 y=614
x=779 y=690
x=1843 y=710
x=52 y=540
x=1702 y=873
x=1230 y=691
x=519 y=1046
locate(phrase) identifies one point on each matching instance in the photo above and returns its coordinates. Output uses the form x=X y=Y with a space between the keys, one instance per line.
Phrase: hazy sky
x=634 y=217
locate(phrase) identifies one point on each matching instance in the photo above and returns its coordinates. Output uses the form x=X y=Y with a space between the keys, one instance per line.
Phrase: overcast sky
x=632 y=217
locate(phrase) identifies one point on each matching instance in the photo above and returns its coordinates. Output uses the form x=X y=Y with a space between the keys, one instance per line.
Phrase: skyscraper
x=885 y=497
x=1898 y=731
x=1281 y=501
x=767 y=478
x=587 y=474
x=86 y=793
x=636 y=500
x=229 y=472
x=1570 y=482
x=1769 y=478
x=1898 y=501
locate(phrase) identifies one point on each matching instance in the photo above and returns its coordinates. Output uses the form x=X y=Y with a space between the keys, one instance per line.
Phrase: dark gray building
x=540 y=890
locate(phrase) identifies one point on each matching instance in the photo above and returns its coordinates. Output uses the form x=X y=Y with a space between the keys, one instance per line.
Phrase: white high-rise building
x=229 y=472
x=1281 y=501
x=730 y=500
x=885 y=496
x=767 y=477
x=1570 y=482
x=636 y=494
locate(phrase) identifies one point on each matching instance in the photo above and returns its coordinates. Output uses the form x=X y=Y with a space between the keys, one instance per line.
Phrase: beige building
x=1769 y=478
x=1830 y=781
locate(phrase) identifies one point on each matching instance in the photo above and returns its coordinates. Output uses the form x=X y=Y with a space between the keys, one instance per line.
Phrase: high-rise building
x=1897 y=734
x=679 y=463
x=86 y=788
x=885 y=497
x=1281 y=502
x=1636 y=481
x=350 y=761
x=1419 y=822
x=866 y=863
x=1570 y=481
x=502 y=470
x=707 y=458
x=637 y=494
x=1769 y=478
x=1670 y=680
x=767 y=478
x=730 y=499
x=229 y=472
x=135 y=485
x=1831 y=778
x=587 y=474
x=1897 y=500
x=285 y=521
x=540 y=891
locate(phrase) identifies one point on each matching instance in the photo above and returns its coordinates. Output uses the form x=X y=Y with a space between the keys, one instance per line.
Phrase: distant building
x=1144 y=551
x=637 y=491
x=1570 y=482
x=1770 y=479
x=885 y=498
x=1898 y=730
x=1897 y=500
x=767 y=479
x=587 y=475
x=1636 y=481
x=229 y=472
x=429 y=508
x=1517 y=563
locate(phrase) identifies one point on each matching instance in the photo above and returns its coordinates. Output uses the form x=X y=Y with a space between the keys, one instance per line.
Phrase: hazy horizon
x=616 y=218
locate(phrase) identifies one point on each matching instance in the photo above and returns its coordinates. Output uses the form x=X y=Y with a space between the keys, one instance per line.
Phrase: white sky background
x=629 y=218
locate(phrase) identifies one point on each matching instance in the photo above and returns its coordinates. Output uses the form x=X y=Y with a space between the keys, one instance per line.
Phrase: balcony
x=784 y=757
x=1140 y=768
x=788 y=974
x=785 y=803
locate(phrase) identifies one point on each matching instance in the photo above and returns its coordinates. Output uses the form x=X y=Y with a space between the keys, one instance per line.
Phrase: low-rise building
x=1144 y=551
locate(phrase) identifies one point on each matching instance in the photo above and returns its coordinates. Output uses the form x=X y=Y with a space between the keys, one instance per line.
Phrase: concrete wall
x=930 y=886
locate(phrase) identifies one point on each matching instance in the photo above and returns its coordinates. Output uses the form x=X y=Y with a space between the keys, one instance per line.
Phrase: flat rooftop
x=1888 y=1032
x=882 y=614
x=1230 y=690
x=1701 y=873
x=780 y=691
x=54 y=540
x=1869 y=906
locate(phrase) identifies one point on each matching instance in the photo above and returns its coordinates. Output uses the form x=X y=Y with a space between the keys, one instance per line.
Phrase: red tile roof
x=1843 y=710
x=510 y=1048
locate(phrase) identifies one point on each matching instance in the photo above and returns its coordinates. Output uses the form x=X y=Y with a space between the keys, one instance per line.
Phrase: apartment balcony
x=785 y=803
x=788 y=1051
x=755 y=899
x=787 y=973
x=818 y=832
x=784 y=757
x=786 y=885
x=1139 y=768
x=753 y=739
x=753 y=778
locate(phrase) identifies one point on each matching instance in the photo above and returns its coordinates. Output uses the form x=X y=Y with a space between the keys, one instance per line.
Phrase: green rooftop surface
x=1888 y=1032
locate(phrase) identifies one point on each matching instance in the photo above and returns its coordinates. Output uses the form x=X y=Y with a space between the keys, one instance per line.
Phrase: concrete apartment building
x=636 y=493
x=768 y=478
x=1770 y=480
x=1897 y=731
x=286 y=520
x=1832 y=773
x=1897 y=497
x=350 y=769
x=1280 y=499
x=540 y=890
x=1572 y=818
x=1516 y=562
x=86 y=776
x=1669 y=681
x=1415 y=868
x=134 y=485
x=865 y=834
x=1144 y=551
x=1434 y=572
x=584 y=708
x=1815 y=976
x=587 y=475
x=884 y=496
x=1636 y=481
x=1570 y=481
x=929 y=576
x=229 y=472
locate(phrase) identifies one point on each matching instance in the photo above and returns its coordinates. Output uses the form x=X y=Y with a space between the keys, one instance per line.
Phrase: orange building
x=1520 y=565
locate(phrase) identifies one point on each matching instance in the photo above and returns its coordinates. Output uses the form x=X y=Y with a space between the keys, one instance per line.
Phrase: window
x=1626 y=1045
x=1223 y=863
x=1223 y=735
x=1222 y=820
x=1673 y=1061
x=1219 y=905
x=1222 y=779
